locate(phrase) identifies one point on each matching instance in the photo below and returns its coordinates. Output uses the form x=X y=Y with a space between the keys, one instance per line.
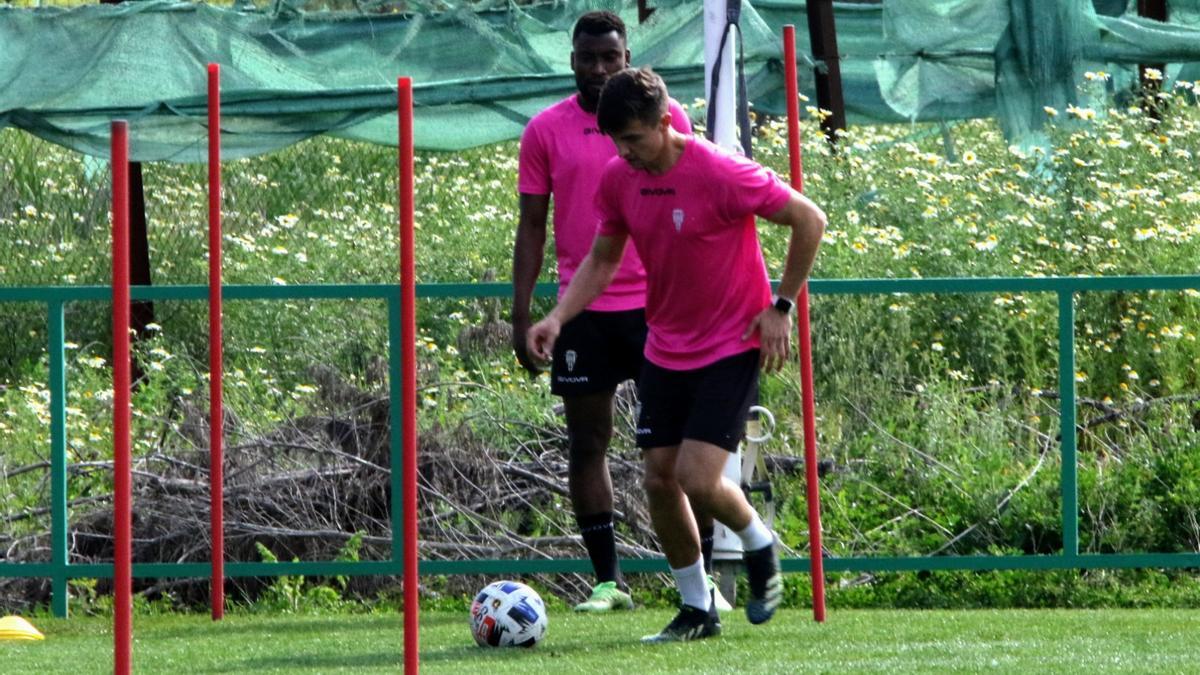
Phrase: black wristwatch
x=784 y=305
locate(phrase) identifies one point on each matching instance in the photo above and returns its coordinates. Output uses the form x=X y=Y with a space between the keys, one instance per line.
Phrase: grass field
x=1041 y=641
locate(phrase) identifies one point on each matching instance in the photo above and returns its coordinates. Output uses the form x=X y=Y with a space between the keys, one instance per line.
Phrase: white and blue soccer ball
x=508 y=614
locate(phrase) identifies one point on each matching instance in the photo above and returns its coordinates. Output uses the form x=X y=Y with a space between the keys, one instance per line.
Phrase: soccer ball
x=508 y=614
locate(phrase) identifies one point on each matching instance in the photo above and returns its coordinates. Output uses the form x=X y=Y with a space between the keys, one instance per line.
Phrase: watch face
x=783 y=304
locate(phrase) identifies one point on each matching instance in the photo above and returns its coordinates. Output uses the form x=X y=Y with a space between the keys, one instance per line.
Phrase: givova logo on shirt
x=677 y=218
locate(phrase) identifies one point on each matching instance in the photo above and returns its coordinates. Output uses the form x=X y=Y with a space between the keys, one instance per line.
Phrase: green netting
x=480 y=74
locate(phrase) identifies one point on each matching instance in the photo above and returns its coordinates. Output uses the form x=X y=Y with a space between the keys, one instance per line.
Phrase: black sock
x=706 y=547
x=598 y=538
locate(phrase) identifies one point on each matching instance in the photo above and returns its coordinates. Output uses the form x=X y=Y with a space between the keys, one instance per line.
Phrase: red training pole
x=408 y=341
x=216 y=368
x=817 y=563
x=122 y=475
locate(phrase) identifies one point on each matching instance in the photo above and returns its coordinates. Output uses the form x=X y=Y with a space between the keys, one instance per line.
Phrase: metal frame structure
x=59 y=570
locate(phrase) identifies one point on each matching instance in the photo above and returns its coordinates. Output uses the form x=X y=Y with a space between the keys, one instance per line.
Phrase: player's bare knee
x=700 y=489
x=659 y=484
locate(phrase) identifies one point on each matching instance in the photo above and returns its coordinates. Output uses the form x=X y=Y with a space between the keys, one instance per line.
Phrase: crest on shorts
x=571 y=357
x=677 y=216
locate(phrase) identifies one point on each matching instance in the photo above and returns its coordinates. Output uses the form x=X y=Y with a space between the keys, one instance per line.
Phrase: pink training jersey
x=563 y=154
x=694 y=228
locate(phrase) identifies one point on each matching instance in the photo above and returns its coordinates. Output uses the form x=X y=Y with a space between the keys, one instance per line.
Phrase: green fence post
x=58 y=459
x=396 y=412
x=1066 y=398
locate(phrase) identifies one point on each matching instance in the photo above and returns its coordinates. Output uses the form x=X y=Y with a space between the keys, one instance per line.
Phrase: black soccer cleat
x=766 y=584
x=691 y=623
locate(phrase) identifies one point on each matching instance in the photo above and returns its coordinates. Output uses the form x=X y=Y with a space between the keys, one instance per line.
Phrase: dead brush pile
x=305 y=488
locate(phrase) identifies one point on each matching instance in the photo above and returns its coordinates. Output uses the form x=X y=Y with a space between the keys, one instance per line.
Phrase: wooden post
x=1156 y=10
x=141 y=312
x=823 y=34
x=644 y=12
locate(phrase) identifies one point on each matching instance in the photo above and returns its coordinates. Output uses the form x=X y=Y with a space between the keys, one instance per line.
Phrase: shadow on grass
x=470 y=655
x=249 y=625
x=313 y=663
x=474 y=654
x=298 y=625
x=265 y=627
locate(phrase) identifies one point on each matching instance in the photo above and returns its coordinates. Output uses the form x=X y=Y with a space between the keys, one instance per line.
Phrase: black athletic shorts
x=707 y=404
x=596 y=351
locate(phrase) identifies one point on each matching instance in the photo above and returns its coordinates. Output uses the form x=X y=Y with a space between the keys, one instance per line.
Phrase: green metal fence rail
x=59 y=570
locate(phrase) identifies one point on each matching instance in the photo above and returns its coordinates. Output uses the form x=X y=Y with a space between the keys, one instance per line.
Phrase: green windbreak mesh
x=288 y=74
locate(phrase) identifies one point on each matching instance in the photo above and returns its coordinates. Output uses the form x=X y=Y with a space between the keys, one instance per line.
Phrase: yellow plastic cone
x=16 y=628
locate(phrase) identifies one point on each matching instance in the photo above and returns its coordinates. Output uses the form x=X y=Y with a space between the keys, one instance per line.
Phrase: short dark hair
x=632 y=94
x=599 y=23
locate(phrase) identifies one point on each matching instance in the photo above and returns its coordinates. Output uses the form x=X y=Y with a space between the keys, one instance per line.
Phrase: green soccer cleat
x=718 y=600
x=606 y=597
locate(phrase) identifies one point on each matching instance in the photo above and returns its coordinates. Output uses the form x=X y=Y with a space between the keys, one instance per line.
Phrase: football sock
x=706 y=548
x=693 y=584
x=598 y=538
x=755 y=535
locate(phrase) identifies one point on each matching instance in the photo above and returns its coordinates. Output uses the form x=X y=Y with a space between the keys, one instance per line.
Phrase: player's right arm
x=528 y=253
x=593 y=276
x=808 y=223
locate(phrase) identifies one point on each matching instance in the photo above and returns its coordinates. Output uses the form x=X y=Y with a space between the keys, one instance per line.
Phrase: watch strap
x=784 y=305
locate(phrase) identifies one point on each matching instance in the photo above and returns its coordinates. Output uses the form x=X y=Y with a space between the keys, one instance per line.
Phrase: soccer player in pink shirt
x=562 y=155
x=690 y=209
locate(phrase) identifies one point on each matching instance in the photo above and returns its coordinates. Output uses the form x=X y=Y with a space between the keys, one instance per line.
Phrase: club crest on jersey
x=571 y=357
x=677 y=217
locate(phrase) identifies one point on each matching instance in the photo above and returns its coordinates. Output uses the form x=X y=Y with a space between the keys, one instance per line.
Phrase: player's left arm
x=807 y=222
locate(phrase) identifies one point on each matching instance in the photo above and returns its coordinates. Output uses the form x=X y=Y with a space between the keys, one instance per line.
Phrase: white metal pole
x=724 y=132
x=726 y=545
